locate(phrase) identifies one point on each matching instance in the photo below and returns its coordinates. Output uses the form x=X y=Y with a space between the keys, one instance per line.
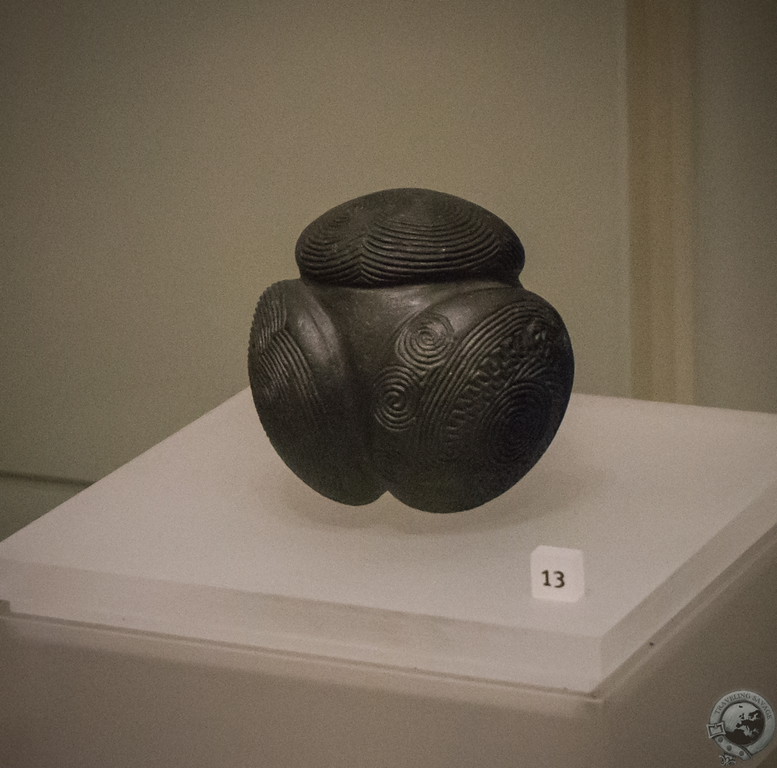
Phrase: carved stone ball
x=408 y=358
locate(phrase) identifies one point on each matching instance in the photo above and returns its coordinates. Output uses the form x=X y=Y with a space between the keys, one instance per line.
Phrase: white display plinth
x=209 y=536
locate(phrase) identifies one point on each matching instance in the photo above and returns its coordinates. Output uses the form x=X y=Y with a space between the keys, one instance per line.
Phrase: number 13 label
x=558 y=579
x=557 y=574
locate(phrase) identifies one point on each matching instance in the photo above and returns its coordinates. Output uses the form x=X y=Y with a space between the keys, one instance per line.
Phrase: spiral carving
x=425 y=340
x=489 y=408
x=396 y=397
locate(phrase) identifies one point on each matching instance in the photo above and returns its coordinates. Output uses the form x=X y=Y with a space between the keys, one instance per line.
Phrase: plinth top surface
x=660 y=498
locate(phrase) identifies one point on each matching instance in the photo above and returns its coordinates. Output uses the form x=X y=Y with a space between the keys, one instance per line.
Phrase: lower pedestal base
x=76 y=695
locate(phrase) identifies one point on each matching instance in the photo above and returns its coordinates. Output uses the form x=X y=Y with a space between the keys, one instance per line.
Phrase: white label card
x=557 y=574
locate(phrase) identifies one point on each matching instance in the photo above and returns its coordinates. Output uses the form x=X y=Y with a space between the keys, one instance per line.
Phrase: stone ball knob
x=408 y=358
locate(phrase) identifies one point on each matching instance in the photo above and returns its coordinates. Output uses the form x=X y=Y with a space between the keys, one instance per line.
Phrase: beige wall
x=736 y=146
x=161 y=159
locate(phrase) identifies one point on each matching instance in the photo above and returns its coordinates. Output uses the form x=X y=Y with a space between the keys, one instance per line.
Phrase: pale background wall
x=736 y=146
x=160 y=159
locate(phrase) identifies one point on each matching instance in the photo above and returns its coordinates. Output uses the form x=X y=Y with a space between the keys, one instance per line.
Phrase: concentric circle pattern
x=281 y=377
x=497 y=395
x=303 y=396
x=514 y=423
x=404 y=236
x=487 y=406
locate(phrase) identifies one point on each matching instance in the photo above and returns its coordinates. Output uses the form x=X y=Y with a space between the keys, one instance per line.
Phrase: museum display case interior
x=182 y=584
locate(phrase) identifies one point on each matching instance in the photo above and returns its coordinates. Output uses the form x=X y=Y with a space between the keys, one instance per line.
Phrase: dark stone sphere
x=408 y=357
